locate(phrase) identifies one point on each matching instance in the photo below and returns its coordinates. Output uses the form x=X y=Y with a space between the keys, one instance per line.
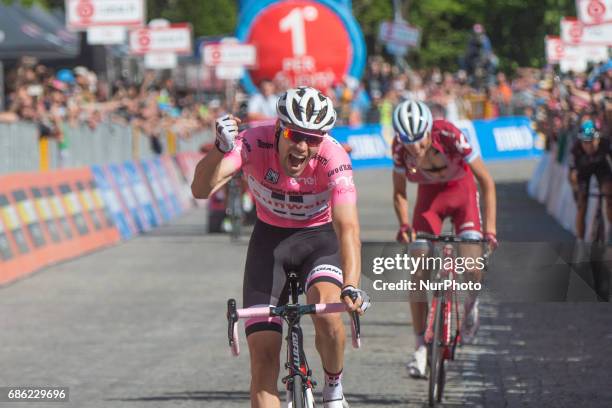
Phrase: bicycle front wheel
x=298 y=392
x=436 y=362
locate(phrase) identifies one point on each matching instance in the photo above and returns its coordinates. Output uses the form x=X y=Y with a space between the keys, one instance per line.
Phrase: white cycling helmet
x=306 y=108
x=412 y=120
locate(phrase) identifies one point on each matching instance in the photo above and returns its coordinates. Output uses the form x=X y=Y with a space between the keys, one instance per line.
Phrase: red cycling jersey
x=448 y=141
x=450 y=191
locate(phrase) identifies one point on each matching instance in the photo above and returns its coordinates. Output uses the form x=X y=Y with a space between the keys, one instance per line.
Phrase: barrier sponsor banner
x=183 y=191
x=6 y=252
x=142 y=193
x=506 y=138
x=127 y=196
x=368 y=146
x=111 y=198
x=169 y=193
x=48 y=217
x=187 y=162
x=154 y=183
x=45 y=213
x=501 y=138
x=12 y=222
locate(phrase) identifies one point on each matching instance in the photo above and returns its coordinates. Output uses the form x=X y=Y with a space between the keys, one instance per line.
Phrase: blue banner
x=368 y=146
x=507 y=138
x=112 y=202
x=141 y=192
x=154 y=182
x=174 y=204
x=128 y=198
x=496 y=139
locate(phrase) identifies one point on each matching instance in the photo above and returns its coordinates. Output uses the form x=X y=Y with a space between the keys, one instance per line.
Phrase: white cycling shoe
x=336 y=404
x=471 y=322
x=417 y=368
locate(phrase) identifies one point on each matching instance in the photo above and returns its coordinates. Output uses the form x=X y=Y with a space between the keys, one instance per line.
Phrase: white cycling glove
x=355 y=294
x=226 y=129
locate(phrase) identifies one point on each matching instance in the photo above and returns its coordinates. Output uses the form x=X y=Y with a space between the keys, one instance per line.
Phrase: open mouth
x=296 y=161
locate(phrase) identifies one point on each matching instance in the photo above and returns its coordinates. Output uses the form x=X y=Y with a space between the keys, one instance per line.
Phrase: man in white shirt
x=262 y=105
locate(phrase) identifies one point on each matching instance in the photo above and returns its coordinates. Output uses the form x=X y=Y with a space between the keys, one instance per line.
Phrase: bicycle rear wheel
x=436 y=362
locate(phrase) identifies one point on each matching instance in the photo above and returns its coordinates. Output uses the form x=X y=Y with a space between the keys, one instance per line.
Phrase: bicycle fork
x=297 y=364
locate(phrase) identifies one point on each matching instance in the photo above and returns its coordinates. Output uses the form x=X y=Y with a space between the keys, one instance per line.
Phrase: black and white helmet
x=412 y=120
x=306 y=108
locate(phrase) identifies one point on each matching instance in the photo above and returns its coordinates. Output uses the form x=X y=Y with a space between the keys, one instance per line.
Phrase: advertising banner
x=594 y=11
x=111 y=198
x=575 y=32
x=175 y=38
x=82 y=14
x=303 y=42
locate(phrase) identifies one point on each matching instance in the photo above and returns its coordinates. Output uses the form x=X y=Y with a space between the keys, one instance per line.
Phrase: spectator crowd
x=75 y=97
x=72 y=97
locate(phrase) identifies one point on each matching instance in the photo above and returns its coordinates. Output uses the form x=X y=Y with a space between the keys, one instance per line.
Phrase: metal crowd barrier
x=21 y=149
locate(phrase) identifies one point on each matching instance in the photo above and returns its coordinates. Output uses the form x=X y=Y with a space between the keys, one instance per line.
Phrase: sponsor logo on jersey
x=338 y=169
x=272 y=176
x=246 y=144
x=320 y=159
x=264 y=145
x=341 y=181
x=310 y=181
x=299 y=207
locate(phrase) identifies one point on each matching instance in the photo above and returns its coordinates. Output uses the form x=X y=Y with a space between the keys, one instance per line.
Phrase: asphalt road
x=142 y=324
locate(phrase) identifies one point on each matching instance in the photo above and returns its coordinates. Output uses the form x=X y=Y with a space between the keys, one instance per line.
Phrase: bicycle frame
x=296 y=363
x=438 y=334
x=448 y=300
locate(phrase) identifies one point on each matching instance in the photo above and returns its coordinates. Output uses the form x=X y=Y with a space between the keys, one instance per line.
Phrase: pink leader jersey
x=288 y=202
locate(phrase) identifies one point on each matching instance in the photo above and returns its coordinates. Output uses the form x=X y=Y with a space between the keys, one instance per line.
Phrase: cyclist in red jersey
x=437 y=156
x=302 y=183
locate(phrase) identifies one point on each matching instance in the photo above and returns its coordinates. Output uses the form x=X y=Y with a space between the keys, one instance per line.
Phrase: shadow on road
x=193 y=396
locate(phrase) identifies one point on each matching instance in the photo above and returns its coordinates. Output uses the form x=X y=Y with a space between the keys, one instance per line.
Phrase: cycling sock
x=332 y=390
x=419 y=340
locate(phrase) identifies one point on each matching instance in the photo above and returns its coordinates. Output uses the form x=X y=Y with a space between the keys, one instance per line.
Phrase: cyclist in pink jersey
x=302 y=183
x=437 y=156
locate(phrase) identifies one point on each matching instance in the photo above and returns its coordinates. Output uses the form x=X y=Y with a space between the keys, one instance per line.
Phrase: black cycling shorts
x=312 y=253
x=600 y=170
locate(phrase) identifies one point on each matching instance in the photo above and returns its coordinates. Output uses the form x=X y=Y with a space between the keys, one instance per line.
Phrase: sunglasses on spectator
x=297 y=137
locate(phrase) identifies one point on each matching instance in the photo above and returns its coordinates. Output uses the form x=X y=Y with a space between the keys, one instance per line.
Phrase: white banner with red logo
x=176 y=38
x=554 y=49
x=573 y=57
x=573 y=31
x=81 y=14
x=594 y=11
x=232 y=54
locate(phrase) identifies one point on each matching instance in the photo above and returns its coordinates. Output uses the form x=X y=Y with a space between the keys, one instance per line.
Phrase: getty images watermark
x=407 y=264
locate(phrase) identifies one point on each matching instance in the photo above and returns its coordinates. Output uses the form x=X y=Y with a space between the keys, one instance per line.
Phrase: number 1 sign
x=302 y=42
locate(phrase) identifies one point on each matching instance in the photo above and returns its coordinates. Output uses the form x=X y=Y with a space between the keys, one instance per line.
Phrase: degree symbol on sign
x=294 y=22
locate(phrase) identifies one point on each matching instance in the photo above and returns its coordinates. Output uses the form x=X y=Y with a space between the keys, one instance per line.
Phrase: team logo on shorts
x=272 y=176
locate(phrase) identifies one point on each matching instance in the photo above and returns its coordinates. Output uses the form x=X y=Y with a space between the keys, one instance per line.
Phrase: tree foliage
x=516 y=27
x=208 y=17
